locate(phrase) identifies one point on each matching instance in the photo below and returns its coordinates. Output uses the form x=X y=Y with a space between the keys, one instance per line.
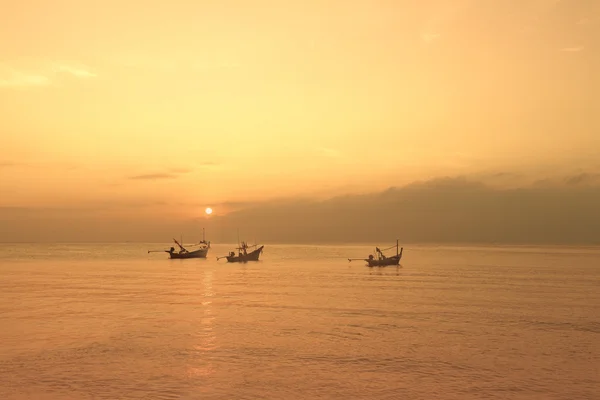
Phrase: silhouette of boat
x=198 y=250
x=382 y=260
x=243 y=254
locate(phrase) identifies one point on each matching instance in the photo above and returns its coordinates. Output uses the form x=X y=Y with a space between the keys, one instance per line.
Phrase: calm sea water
x=113 y=322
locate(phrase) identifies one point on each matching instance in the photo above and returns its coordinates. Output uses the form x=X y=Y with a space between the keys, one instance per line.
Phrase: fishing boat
x=197 y=250
x=382 y=260
x=243 y=254
x=203 y=241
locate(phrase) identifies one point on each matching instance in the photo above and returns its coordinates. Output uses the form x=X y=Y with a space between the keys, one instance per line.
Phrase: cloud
x=77 y=71
x=505 y=175
x=208 y=164
x=173 y=173
x=572 y=49
x=444 y=210
x=584 y=178
x=153 y=177
x=12 y=78
x=7 y=164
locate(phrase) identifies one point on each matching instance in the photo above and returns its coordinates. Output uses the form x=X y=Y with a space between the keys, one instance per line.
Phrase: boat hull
x=394 y=260
x=200 y=253
x=384 y=262
x=252 y=256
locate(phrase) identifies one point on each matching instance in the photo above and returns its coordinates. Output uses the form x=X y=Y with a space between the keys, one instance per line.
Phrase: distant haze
x=451 y=210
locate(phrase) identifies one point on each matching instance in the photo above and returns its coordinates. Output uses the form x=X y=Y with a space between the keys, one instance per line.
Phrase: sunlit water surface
x=111 y=321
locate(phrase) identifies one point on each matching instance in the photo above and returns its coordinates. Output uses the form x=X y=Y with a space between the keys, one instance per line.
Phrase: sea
x=112 y=321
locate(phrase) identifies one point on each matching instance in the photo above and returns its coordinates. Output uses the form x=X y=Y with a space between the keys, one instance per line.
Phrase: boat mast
x=396 y=247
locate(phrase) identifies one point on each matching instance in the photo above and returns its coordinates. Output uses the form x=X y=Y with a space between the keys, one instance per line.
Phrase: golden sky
x=175 y=105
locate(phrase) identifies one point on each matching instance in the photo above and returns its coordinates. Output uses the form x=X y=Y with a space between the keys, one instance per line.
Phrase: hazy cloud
x=572 y=49
x=75 y=70
x=12 y=78
x=208 y=164
x=505 y=175
x=171 y=173
x=583 y=178
x=444 y=210
x=154 y=177
x=441 y=210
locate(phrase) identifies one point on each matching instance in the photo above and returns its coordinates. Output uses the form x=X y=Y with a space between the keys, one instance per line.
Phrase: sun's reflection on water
x=206 y=338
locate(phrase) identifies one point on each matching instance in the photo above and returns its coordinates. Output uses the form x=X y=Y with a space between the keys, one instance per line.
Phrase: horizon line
x=332 y=243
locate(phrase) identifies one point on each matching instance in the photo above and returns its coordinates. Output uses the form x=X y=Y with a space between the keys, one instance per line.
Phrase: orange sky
x=197 y=103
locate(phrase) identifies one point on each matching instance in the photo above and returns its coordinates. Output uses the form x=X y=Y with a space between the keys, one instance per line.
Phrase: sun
x=208 y=211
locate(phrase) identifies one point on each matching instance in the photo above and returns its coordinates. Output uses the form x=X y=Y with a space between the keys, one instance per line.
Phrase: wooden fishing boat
x=184 y=253
x=197 y=250
x=382 y=260
x=204 y=242
x=243 y=254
